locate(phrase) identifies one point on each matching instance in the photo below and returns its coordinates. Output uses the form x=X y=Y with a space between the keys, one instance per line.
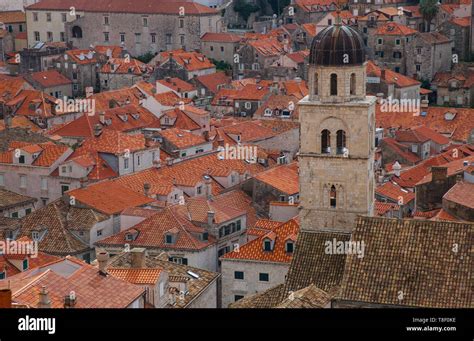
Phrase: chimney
x=44 y=301
x=169 y=161
x=210 y=218
x=70 y=300
x=146 y=189
x=97 y=130
x=382 y=74
x=102 y=117
x=5 y=298
x=84 y=182
x=424 y=103
x=208 y=184
x=438 y=173
x=102 y=259
x=458 y=178
x=138 y=258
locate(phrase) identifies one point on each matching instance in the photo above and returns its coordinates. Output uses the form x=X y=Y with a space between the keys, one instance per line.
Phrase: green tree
x=245 y=9
x=278 y=5
x=429 y=9
x=146 y=58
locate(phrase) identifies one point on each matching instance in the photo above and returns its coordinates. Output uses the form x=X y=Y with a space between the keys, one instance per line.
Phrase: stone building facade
x=141 y=27
x=337 y=137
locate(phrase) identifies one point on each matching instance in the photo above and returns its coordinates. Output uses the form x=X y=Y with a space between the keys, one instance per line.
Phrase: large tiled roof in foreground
x=414 y=263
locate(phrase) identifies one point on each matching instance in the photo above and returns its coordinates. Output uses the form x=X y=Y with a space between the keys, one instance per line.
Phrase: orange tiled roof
x=381 y=208
x=284 y=178
x=115 y=142
x=395 y=192
x=181 y=138
x=127 y=118
x=109 y=197
x=214 y=80
x=312 y=5
x=457 y=123
x=119 y=97
x=136 y=276
x=49 y=153
x=267 y=47
x=191 y=61
x=310 y=28
x=187 y=173
x=12 y=17
x=125 y=6
x=177 y=84
x=114 y=49
x=82 y=57
x=464 y=22
x=390 y=76
x=50 y=78
x=124 y=66
x=254 y=250
x=461 y=193
x=394 y=28
x=33 y=103
x=453 y=167
x=221 y=37
x=152 y=231
x=92 y=290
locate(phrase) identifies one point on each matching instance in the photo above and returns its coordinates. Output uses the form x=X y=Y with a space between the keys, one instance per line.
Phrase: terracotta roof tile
x=461 y=193
x=395 y=193
x=214 y=80
x=284 y=178
x=50 y=78
x=177 y=84
x=12 y=17
x=394 y=28
x=221 y=37
x=182 y=138
x=136 y=276
x=254 y=250
x=191 y=61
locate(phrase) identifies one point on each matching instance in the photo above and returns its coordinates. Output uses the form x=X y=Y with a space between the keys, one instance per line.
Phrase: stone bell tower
x=336 y=160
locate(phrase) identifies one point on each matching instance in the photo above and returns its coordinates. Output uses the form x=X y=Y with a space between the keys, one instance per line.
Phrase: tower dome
x=337 y=45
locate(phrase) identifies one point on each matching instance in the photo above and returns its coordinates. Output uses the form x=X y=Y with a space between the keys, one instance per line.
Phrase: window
x=211 y=48
x=236 y=297
x=332 y=196
x=22 y=181
x=238 y=275
x=397 y=55
x=63 y=17
x=122 y=37
x=62 y=36
x=315 y=83
x=44 y=184
x=20 y=28
x=25 y=264
x=169 y=239
x=181 y=39
x=27 y=211
x=64 y=188
x=329 y=22
x=341 y=141
x=333 y=84
x=3 y=275
x=153 y=38
x=168 y=39
x=106 y=36
x=379 y=41
x=418 y=67
x=37 y=36
x=181 y=23
x=145 y=22
x=14 y=215
x=106 y=20
x=222 y=48
x=397 y=41
x=353 y=84
x=325 y=142
x=290 y=246
x=267 y=245
x=263 y=277
x=48 y=16
x=138 y=160
x=138 y=38
x=77 y=32
x=35 y=235
x=99 y=233
x=125 y=163
x=35 y=16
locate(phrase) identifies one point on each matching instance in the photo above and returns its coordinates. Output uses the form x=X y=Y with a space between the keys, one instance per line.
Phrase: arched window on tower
x=315 y=84
x=333 y=196
x=340 y=141
x=325 y=142
x=333 y=84
x=353 y=84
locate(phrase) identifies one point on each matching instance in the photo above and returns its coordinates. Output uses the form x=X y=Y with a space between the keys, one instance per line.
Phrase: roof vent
x=449 y=116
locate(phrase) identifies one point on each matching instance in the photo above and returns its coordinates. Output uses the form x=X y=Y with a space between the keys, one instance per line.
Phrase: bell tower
x=336 y=160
